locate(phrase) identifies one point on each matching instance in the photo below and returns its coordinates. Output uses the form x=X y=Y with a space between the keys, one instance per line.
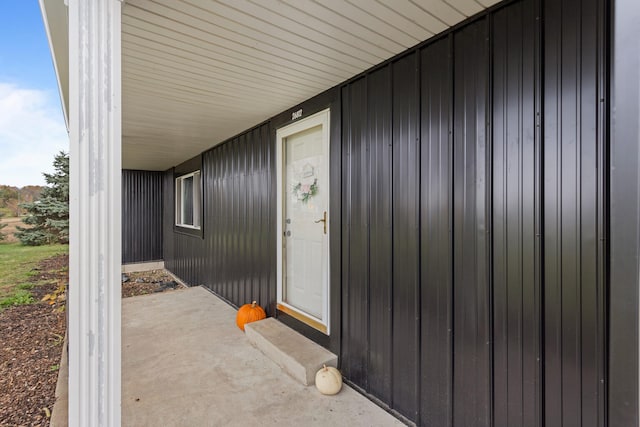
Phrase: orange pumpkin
x=249 y=313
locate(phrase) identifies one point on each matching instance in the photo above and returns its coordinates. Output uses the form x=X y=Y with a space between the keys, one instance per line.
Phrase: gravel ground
x=31 y=339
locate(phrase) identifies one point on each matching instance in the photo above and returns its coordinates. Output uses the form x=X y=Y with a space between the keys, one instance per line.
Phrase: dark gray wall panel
x=380 y=234
x=183 y=249
x=355 y=249
x=516 y=216
x=468 y=215
x=367 y=244
x=436 y=234
x=168 y=218
x=235 y=257
x=239 y=236
x=625 y=211
x=471 y=228
x=406 y=226
x=573 y=225
x=142 y=210
x=380 y=245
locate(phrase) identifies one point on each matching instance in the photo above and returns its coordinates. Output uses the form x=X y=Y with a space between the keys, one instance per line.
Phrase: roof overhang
x=56 y=24
x=197 y=72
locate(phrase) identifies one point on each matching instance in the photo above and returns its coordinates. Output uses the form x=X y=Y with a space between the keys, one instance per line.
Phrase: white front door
x=303 y=220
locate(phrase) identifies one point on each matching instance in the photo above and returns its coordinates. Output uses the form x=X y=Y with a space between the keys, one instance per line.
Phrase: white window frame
x=196 y=197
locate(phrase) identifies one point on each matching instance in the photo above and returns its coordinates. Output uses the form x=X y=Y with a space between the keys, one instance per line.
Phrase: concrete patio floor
x=186 y=363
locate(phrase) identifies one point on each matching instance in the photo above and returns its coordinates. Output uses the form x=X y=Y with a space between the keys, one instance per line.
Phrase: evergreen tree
x=49 y=216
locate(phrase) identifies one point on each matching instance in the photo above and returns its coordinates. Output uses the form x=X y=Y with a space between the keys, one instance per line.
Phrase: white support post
x=95 y=212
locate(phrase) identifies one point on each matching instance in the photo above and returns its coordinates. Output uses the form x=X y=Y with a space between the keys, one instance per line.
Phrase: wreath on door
x=304 y=192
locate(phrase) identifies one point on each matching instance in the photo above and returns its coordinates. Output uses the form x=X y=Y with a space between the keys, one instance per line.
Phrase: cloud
x=32 y=131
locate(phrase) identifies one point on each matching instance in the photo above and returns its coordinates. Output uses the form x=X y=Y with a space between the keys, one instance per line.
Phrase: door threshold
x=307 y=320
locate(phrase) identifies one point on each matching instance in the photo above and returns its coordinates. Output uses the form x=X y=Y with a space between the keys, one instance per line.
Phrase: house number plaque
x=296 y=114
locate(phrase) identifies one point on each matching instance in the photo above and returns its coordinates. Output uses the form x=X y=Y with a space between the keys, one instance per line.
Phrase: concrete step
x=297 y=355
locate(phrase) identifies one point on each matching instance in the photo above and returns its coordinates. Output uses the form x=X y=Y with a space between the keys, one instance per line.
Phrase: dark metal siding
x=436 y=281
x=516 y=215
x=468 y=221
x=406 y=237
x=379 y=372
x=625 y=212
x=471 y=228
x=355 y=269
x=240 y=219
x=142 y=210
x=574 y=295
x=367 y=264
x=492 y=311
x=184 y=248
x=235 y=257
x=168 y=220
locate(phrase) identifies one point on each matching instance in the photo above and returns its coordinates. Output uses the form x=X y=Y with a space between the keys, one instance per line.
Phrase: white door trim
x=321 y=118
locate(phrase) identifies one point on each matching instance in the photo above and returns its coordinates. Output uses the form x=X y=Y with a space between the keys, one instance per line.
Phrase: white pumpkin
x=328 y=380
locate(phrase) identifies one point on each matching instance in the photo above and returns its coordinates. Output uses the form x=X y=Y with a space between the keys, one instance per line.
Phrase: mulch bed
x=31 y=339
x=147 y=282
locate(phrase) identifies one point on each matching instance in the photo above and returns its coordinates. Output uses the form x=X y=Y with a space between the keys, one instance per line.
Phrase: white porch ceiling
x=196 y=72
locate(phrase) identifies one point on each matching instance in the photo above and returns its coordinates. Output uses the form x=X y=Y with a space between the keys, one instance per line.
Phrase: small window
x=188 y=200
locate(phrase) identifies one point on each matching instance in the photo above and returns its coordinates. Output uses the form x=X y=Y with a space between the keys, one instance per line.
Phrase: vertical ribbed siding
x=355 y=152
x=168 y=214
x=406 y=226
x=187 y=246
x=574 y=255
x=379 y=124
x=436 y=236
x=468 y=220
x=142 y=210
x=235 y=256
x=516 y=216
x=367 y=258
x=463 y=346
x=471 y=228
x=380 y=245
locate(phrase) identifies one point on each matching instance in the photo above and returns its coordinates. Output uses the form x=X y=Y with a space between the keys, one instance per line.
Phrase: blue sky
x=32 y=128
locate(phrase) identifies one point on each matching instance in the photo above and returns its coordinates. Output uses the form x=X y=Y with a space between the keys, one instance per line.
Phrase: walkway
x=185 y=363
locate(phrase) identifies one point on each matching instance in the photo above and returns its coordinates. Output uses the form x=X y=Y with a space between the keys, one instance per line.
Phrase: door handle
x=324 y=221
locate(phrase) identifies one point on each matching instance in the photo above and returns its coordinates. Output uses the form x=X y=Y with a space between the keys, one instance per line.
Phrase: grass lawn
x=17 y=262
